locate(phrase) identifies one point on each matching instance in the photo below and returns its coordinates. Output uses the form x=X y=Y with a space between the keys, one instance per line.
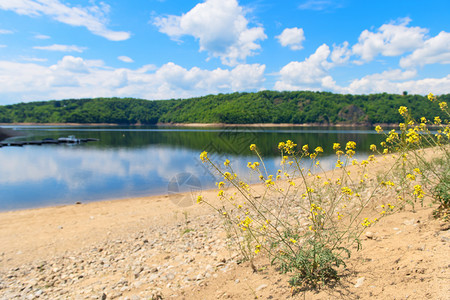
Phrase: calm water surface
x=140 y=161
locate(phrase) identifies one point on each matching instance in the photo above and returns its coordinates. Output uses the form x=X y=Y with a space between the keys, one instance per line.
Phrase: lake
x=130 y=161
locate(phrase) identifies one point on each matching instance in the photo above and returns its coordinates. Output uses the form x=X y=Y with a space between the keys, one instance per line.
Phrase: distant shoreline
x=201 y=124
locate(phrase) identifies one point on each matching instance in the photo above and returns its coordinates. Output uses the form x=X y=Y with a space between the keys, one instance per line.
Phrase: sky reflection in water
x=128 y=162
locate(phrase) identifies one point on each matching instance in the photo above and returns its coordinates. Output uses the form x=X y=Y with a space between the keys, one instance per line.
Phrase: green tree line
x=236 y=108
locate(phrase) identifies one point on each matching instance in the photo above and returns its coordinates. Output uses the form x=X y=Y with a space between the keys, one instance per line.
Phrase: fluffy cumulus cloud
x=221 y=28
x=307 y=74
x=410 y=46
x=78 y=77
x=391 y=39
x=397 y=81
x=92 y=17
x=292 y=37
x=434 y=50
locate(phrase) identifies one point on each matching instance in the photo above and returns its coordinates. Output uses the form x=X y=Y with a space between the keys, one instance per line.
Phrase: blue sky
x=163 y=49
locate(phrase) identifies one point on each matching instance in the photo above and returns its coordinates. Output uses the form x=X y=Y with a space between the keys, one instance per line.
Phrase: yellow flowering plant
x=305 y=219
x=423 y=164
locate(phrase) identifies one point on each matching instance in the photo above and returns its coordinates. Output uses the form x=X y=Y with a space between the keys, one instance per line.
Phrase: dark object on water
x=63 y=140
x=71 y=139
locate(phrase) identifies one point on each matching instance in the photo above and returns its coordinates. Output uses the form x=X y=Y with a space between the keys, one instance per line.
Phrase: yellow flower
x=257 y=248
x=347 y=190
x=336 y=146
x=220 y=193
x=350 y=145
x=437 y=120
x=378 y=129
x=423 y=120
x=318 y=149
x=366 y=222
x=281 y=145
x=199 y=199
x=204 y=156
x=373 y=148
x=269 y=182
x=431 y=97
x=227 y=175
x=417 y=170
x=385 y=151
x=292 y=241
x=402 y=110
x=252 y=147
x=226 y=163
x=305 y=148
x=418 y=191
x=411 y=177
x=443 y=105
x=220 y=184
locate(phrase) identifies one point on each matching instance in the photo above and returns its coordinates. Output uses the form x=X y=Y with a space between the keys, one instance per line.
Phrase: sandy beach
x=153 y=247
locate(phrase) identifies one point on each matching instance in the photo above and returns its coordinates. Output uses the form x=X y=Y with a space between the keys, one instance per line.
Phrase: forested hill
x=237 y=108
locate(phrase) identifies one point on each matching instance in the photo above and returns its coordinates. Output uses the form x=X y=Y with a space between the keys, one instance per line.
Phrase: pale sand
x=32 y=234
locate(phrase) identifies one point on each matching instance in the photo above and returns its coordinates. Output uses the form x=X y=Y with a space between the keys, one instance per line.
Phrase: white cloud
x=390 y=40
x=220 y=27
x=434 y=50
x=2 y=46
x=92 y=17
x=4 y=31
x=74 y=77
x=41 y=37
x=340 y=54
x=397 y=81
x=62 y=48
x=125 y=59
x=387 y=81
x=307 y=74
x=292 y=37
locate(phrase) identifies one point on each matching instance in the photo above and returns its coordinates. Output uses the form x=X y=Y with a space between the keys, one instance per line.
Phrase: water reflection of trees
x=226 y=141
